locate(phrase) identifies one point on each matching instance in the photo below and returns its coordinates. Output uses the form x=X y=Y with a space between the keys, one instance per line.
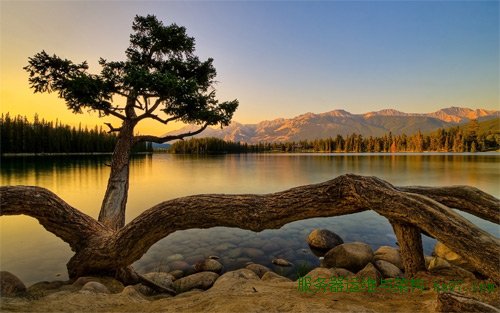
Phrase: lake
x=33 y=254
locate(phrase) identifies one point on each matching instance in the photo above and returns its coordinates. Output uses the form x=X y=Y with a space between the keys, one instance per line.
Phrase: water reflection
x=34 y=254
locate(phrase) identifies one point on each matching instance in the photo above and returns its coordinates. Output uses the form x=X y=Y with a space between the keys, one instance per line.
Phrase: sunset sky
x=279 y=59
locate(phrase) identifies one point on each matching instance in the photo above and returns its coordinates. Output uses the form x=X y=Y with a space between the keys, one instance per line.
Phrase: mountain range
x=340 y=122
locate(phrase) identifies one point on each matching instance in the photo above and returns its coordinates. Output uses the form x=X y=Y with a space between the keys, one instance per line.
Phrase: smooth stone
x=281 y=262
x=193 y=259
x=323 y=239
x=353 y=256
x=41 y=288
x=94 y=287
x=224 y=246
x=274 y=277
x=442 y=251
x=341 y=272
x=131 y=292
x=175 y=257
x=10 y=285
x=161 y=278
x=252 y=252
x=319 y=272
x=208 y=265
x=390 y=255
x=202 y=280
x=242 y=273
x=270 y=247
x=388 y=270
x=179 y=265
x=113 y=285
x=213 y=257
x=258 y=269
x=437 y=263
x=177 y=274
x=369 y=271
x=234 y=253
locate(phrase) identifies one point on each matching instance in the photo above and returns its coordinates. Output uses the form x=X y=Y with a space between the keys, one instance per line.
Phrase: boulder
x=341 y=272
x=10 y=285
x=208 y=265
x=352 y=256
x=177 y=274
x=281 y=262
x=388 y=270
x=369 y=271
x=322 y=239
x=319 y=272
x=274 y=277
x=202 y=280
x=113 y=285
x=241 y=274
x=442 y=251
x=258 y=269
x=161 y=278
x=390 y=255
x=94 y=287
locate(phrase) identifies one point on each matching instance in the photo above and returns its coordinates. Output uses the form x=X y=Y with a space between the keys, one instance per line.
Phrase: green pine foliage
x=19 y=135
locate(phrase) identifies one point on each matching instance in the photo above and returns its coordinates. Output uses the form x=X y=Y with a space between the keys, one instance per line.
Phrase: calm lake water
x=34 y=254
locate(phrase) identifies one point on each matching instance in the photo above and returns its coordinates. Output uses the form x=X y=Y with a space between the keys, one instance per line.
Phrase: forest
x=19 y=135
x=471 y=137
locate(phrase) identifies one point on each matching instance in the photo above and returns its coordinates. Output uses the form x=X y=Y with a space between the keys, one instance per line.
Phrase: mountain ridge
x=341 y=122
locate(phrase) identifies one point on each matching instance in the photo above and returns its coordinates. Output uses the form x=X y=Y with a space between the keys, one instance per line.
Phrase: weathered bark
x=410 y=247
x=113 y=207
x=454 y=302
x=105 y=253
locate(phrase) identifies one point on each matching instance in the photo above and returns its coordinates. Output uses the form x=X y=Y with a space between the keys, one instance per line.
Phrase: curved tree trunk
x=102 y=249
x=114 y=203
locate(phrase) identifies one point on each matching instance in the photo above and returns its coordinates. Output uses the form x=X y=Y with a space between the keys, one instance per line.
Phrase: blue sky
x=281 y=58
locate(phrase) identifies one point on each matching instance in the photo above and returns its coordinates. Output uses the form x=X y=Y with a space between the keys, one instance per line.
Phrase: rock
x=44 y=288
x=281 y=262
x=224 y=246
x=193 y=259
x=428 y=260
x=437 y=263
x=234 y=253
x=240 y=274
x=452 y=272
x=113 y=285
x=131 y=292
x=202 y=280
x=454 y=302
x=208 y=265
x=319 y=272
x=175 y=257
x=179 y=265
x=252 y=252
x=390 y=255
x=274 y=277
x=270 y=247
x=442 y=251
x=177 y=274
x=341 y=272
x=369 y=271
x=213 y=257
x=388 y=270
x=161 y=278
x=258 y=269
x=94 y=287
x=352 y=256
x=10 y=285
x=322 y=239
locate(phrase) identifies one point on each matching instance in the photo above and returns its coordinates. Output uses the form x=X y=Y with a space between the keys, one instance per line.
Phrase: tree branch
x=112 y=129
x=168 y=138
x=115 y=114
x=343 y=195
x=55 y=215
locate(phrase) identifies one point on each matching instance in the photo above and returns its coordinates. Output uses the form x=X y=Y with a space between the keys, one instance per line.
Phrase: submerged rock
x=10 y=285
x=208 y=265
x=352 y=256
x=202 y=280
x=281 y=262
x=323 y=239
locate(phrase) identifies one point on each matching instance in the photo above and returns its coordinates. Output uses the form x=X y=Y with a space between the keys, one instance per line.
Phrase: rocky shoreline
x=209 y=279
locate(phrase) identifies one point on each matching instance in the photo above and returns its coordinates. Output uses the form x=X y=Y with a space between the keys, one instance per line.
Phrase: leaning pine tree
x=161 y=74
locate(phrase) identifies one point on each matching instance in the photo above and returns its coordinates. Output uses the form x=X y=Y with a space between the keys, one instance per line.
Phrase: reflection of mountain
x=329 y=124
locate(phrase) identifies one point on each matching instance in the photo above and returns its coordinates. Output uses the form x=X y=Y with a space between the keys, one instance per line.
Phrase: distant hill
x=340 y=122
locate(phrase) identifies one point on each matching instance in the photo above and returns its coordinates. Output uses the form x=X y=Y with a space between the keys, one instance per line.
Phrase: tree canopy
x=161 y=79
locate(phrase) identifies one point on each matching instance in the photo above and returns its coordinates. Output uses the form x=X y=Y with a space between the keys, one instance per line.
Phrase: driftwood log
x=100 y=249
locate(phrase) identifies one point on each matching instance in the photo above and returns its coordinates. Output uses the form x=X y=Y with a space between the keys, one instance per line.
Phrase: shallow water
x=33 y=254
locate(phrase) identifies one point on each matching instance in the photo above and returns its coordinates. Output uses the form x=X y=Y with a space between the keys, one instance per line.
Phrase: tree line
x=468 y=138
x=19 y=135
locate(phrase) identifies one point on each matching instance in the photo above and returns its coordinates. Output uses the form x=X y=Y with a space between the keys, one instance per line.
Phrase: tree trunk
x=113 y=207
x=101 y=249
x=410 y=246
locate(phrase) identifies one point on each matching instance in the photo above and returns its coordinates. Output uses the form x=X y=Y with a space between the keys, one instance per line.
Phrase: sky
x=278 y=58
